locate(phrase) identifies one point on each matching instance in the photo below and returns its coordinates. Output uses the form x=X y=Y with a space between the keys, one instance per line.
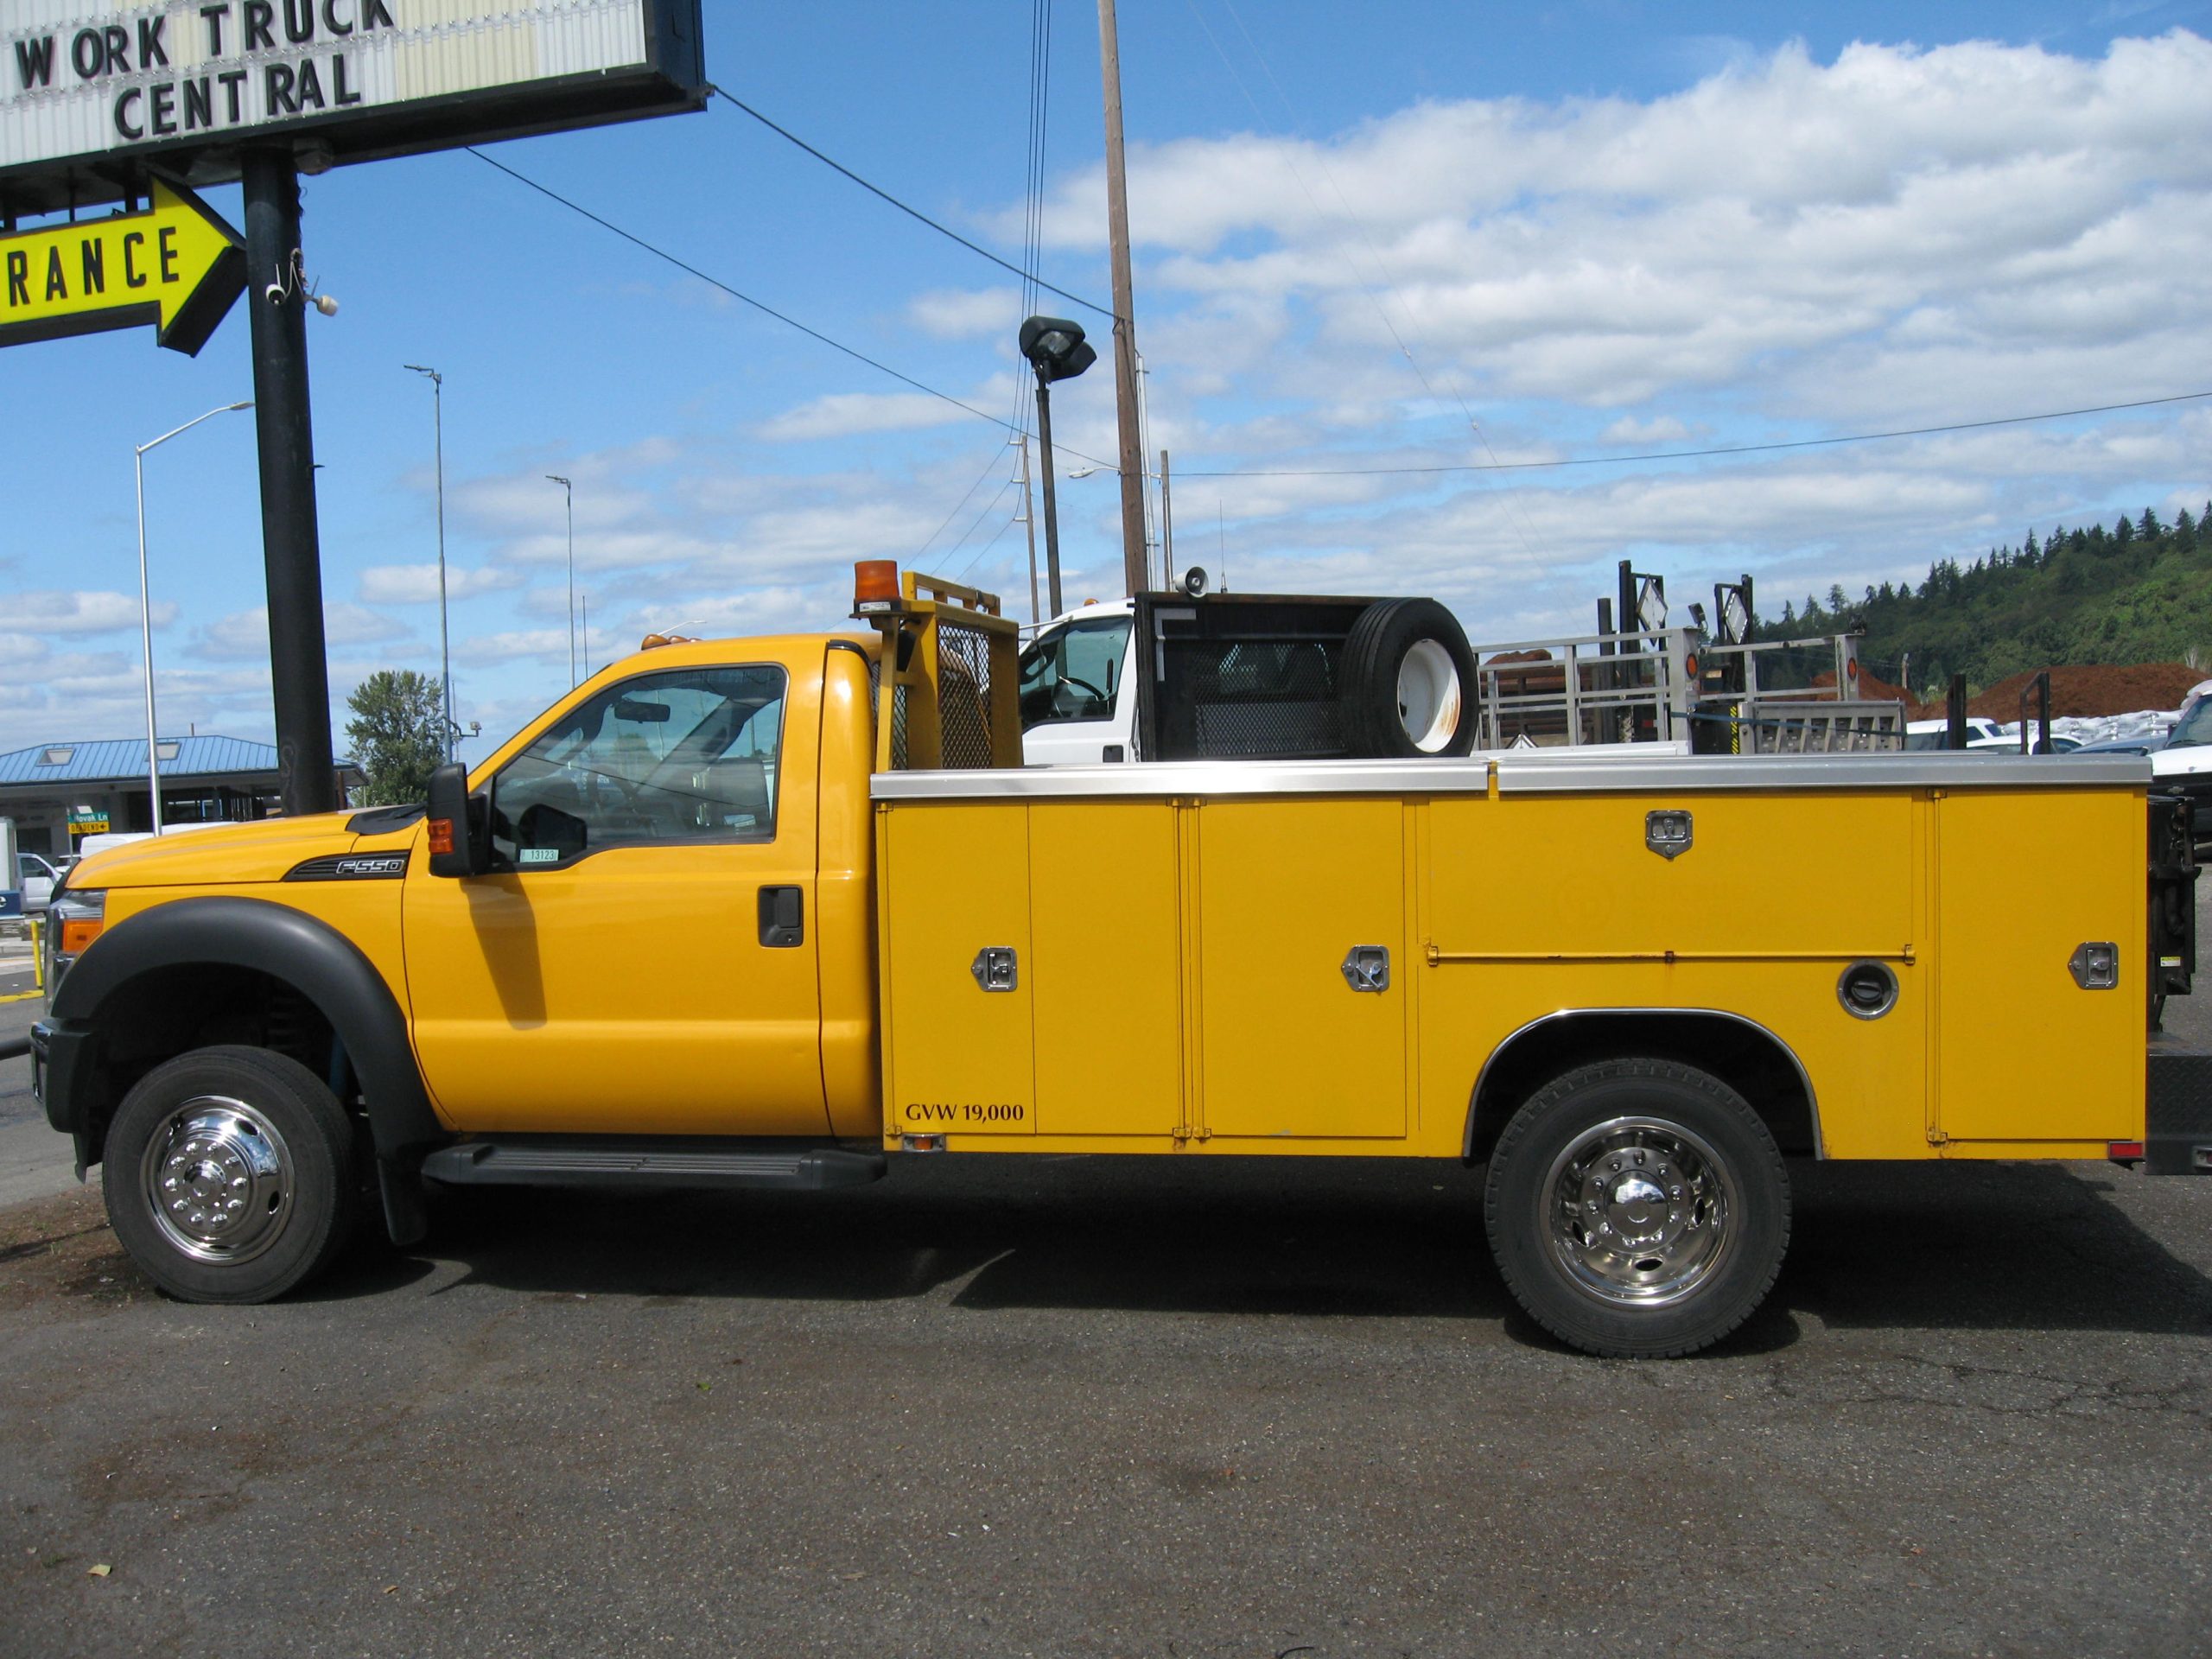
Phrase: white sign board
x=180 y=82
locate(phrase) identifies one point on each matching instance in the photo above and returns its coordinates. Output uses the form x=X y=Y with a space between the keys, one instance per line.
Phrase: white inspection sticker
x=539 y=855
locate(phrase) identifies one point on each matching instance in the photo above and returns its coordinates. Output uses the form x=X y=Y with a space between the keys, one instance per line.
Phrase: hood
x=219 y=854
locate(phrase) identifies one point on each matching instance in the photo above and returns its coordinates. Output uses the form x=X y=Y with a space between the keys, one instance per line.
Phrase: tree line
x=2139 y=592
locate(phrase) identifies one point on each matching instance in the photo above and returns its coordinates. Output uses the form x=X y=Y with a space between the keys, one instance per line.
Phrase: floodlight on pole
x=445 y=642
x=146 y=607
x=1057 y=351
x=570 y=490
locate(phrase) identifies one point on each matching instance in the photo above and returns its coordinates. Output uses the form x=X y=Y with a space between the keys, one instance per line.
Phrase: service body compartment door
x=1288 y=889
x=2025 y=1052
x=961 y=973
x=1104 y=919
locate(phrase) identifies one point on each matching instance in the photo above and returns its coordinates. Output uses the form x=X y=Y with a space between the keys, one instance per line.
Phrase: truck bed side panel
x=1105 y=923
x=1288 y=889
x=2024 y=1053
x=1542 y=903
x=960 y=1056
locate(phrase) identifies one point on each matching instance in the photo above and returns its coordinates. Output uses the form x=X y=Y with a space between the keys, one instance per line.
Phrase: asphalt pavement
x=1123 y=1407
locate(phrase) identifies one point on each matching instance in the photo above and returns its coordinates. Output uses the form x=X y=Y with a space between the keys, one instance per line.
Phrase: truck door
x=641 y=958
x=1304 y=1021
x=1077 y=703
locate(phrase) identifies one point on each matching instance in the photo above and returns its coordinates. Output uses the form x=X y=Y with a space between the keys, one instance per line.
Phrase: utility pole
x=445 y=641
x=570 y=491
x=1134 y=560
x=1166 y=528
x=1029 y=523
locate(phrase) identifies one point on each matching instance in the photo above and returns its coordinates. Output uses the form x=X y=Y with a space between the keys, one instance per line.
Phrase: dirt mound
x=1871 y=688
x=2087 y=689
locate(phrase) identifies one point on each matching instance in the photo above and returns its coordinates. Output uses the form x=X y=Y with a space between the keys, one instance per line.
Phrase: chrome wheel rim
x=1640 y=1212
x=218 y=1177
x=1429 y=695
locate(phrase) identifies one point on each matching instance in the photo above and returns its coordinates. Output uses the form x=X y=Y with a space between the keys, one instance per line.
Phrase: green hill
x=2139 y=592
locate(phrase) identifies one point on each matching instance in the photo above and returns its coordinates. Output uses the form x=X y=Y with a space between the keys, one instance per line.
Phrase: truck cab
x=1078 y=680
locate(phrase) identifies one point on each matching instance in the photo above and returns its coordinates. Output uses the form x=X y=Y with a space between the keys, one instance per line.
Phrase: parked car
x=38 y=875
x=1936 y=733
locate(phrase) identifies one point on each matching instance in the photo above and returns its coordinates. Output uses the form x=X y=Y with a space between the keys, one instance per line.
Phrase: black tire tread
x=1388 y=628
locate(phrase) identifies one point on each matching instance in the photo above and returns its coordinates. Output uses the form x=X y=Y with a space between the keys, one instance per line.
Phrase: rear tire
x=231 y=1175
x=1409 y=681
x=1638 y=1209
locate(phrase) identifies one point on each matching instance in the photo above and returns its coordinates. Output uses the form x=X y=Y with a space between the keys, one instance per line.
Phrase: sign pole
x=291 y=553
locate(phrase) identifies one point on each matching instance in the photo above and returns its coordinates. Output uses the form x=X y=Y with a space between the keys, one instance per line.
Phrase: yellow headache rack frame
x=950 y=678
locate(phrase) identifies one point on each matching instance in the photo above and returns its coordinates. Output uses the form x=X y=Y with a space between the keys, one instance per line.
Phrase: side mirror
x=459 y=843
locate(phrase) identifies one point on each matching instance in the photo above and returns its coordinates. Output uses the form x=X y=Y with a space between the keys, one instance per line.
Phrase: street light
x=445 y=647
x=1055 y=350
x=146 y=608
x=570 y=490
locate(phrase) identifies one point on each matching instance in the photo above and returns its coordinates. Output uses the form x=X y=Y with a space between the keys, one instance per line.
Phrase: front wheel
x=1638 y=1209
x=230 y=1175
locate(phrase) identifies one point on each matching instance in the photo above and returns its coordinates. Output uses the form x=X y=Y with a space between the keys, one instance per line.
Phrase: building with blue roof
x=58 y=793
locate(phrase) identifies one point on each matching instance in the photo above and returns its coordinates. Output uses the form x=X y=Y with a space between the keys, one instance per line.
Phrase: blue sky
x=1590 y=230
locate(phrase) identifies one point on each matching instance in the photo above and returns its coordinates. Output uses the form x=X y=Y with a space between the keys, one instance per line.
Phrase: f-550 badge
x=351 y=866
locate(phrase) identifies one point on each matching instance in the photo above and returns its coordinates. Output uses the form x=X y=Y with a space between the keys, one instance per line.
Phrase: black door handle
x=783 y=917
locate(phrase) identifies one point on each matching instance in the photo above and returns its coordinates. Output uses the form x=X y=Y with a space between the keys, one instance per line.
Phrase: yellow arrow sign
x=176 y=265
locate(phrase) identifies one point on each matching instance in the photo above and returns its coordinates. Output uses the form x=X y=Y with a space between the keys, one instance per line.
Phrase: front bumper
x=2177 y=1108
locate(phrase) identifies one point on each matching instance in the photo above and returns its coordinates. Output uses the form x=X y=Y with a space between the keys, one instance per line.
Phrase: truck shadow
x=2024 y=1247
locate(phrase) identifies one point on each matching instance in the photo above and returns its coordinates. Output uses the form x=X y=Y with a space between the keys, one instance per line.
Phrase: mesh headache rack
x=947 y=688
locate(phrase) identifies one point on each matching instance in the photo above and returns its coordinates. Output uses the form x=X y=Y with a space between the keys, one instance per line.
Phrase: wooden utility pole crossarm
x=1134 y=564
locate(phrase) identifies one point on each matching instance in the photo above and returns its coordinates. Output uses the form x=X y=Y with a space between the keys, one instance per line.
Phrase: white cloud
x=966 y=314
x=83 y=613
x=1661 y=429
x=418 y=584
x=1781 y=215
x=843 y=415
x=244 y=635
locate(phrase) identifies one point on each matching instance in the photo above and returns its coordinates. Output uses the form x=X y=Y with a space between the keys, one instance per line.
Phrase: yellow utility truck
x=784 y=913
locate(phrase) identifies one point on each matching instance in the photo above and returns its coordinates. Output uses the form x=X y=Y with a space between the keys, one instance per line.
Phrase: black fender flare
x=313 y=957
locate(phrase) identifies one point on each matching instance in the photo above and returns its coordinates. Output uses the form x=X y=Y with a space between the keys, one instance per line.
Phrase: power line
x=1688 y=454
x=765 y=309
x=912 y=213
x=716 y=282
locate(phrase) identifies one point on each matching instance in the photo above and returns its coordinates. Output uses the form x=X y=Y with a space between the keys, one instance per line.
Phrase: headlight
x=73 y=920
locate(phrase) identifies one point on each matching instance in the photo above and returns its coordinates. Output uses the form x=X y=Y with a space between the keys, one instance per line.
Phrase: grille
x=963 y=679
x=1256 y=698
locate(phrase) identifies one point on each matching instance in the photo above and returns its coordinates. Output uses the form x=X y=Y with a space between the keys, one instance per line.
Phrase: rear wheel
x=1638 y=1209
x=1409 y=681
x=230 y=1175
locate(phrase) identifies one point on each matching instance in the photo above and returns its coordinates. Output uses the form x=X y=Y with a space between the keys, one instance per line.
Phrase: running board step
x=550 y=1163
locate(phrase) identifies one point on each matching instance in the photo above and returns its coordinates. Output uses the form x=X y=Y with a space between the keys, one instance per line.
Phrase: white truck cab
x=1076 y=704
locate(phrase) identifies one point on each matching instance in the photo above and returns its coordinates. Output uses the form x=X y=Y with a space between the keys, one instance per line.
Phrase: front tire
x=1638 y=1209
x=230 y=1175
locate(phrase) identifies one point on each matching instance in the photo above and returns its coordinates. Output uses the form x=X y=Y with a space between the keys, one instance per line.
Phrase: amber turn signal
x=77 y=933
x=440 y=836
x=874 y=581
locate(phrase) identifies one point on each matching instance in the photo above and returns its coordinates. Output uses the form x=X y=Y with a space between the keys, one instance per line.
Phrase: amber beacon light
x=875 y=584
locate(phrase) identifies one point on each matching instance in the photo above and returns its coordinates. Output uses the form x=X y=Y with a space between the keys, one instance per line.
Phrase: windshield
x=2194 y=725
x=1074 y=672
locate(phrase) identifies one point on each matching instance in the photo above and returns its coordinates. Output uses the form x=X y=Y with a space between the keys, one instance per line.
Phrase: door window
x=686 y=756
x=1074 y=672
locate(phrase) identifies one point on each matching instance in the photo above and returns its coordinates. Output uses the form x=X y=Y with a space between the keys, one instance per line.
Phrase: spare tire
x=1408 y=682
